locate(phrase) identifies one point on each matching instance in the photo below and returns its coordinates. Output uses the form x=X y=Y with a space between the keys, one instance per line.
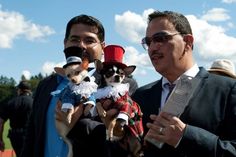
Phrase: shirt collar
x=190 y=72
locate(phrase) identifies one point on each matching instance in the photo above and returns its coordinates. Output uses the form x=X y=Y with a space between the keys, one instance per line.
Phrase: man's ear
x=129 y=69
x=98 y=65
x=103 y=45
x=188 y=38
x=59 y=70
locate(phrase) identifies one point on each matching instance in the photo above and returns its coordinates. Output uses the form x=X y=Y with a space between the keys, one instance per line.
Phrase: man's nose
x=81 y=44
x=155 y=46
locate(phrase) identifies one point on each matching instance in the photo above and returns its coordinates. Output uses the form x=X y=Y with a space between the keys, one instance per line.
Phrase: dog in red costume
x=115 y=93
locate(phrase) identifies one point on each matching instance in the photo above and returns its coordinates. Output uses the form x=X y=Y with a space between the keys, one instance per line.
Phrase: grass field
x=8 y=152
x=5 y=138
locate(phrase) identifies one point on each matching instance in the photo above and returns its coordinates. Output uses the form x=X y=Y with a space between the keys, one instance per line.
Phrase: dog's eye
x=109 y=73
x=121 y=72
x=77 y=72
x=68 y=75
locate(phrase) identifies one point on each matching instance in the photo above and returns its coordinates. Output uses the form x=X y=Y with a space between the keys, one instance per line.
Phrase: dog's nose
x=73 y=80
x=117 y=78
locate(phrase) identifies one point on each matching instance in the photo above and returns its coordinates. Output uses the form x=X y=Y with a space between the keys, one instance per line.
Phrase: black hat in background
x=73 y=55
x=24 y=85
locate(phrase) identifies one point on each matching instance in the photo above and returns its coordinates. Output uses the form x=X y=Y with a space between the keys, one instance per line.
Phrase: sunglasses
x=160 y=37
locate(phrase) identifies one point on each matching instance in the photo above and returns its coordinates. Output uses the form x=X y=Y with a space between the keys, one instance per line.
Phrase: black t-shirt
x=17 y=110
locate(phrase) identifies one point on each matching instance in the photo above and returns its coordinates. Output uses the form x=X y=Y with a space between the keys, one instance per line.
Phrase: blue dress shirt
x=54 y=144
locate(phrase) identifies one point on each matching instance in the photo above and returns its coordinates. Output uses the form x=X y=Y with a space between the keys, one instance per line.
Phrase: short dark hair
x=87 y=20
x=179 y=21
x=24 y=85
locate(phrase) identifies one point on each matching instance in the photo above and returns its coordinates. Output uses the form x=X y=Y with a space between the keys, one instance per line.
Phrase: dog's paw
x=101 y=112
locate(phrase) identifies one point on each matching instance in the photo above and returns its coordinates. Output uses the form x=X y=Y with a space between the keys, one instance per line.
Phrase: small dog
x=116 y=92
x=79 y=91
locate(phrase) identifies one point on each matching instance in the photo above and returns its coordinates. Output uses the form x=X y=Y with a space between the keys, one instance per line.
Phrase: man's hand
x=62 y=116
x=166 y=128
x=107 y=115
x=106 y=112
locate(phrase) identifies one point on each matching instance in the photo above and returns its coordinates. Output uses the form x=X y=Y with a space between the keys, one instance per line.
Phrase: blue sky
x=32 y=32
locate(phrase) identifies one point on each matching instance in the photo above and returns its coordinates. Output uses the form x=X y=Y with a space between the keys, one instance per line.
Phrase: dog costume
x=79 y=90
x=128 y=109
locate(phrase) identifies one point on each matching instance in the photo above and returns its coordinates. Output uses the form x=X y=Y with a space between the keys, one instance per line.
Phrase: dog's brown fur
x=63 y=128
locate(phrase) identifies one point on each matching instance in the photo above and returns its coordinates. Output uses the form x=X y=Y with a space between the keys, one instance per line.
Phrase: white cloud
x=142 y=72
x=132 y=56
x=211 y=40
x=216 y=14
x=229 y=1
x=48 y=67
x=13 y=25
x=26 y=74
x=230 y=25
x=35 y=32
x=140 y=60
x=131 y=26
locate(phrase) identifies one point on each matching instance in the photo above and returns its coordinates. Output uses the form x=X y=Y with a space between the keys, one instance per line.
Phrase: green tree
x=7 y=89
x=7 y=86
x=34 y=80
x=7 y=81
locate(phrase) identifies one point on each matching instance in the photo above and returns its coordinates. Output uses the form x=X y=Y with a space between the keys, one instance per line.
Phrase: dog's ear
x=59 y=71
x=85 y=63
x=129 y=69
x=98 y=65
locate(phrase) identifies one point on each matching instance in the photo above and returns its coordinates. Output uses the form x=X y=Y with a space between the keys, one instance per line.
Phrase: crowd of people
x=205 y=127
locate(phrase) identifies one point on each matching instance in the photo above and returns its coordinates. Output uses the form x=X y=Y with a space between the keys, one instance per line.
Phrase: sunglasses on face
x=160 y=37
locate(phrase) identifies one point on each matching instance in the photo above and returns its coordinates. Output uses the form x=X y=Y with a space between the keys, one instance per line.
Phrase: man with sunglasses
x=207 y=125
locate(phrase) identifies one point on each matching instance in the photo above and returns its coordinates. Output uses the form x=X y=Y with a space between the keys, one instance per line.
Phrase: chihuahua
x=115 y=93
x=79 y=91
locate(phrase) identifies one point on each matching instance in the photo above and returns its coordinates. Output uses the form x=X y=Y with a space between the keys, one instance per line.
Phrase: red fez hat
x=113 y=55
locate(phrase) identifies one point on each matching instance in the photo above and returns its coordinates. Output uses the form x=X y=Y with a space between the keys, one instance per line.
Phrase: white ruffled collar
x=85 y=88
x=112 y=91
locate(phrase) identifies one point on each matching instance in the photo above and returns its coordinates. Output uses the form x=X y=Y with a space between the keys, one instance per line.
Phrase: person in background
x=207 y=125
x=42 y=139
x=17 y=111
x=223 y=67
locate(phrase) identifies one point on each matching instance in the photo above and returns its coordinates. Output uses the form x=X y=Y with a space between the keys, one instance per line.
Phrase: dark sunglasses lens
x=161 y=37
x=146 y=41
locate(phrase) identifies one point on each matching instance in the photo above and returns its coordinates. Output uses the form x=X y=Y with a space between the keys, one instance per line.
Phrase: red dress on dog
x=126 y=106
